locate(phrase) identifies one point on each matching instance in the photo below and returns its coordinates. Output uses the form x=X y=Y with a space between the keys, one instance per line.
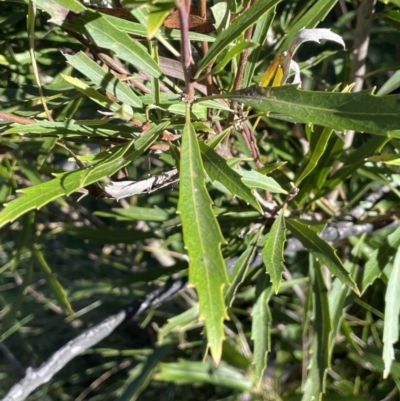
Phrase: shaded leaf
x=379 y=260
x=189 y=372
x=260 y=328
x=104 y=164
x=134 y=388
x=392 y=310
x=54 y=284
x=239 y=269
x=321 y=250
x=218 y=170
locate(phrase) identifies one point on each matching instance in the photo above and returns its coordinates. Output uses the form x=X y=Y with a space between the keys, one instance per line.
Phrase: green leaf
x=359 y=111
x=189 y=372
x=105 y=164
x=239 y=25
x=218 y=170
x=107 y=81
x=254 y=179
x=318 y=143
x=379 y=260
x=321 y=250
x=202 y=238
x=136 y=213
x=104 y=34
x=355 y=160
x=58 y=9
x=392 y=310
x=125 y=112
x=53 y=283
x=237 y=49
x=259 y=36
x=322 y=323
x=158 y=13
x=70 y=128
x=272 y=252
x=260 y=328
x=177 y=322
x=239 y=270
x=135 y=387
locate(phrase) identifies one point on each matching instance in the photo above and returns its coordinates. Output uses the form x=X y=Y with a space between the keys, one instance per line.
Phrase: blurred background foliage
x=80 y=258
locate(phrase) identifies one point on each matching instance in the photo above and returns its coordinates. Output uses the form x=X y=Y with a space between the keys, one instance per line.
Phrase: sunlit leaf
x=203 y=238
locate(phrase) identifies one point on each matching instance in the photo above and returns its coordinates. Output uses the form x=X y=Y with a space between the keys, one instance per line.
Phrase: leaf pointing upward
x=202 y=237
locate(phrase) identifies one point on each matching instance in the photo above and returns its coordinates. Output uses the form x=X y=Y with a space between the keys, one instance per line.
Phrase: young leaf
x=392 y=309
x=238 y=26
x=239 y=269
x=318 y=143
x=105 y=164
x=378 y=261
x=254 y=179
x=272 y=252
x=319 y=356
x=260 y=329
x=53 y=283
x=124 y=112
x=321 y=250
x=359 y=111
x=218 y=170
x=202 y=237
x=107 y=81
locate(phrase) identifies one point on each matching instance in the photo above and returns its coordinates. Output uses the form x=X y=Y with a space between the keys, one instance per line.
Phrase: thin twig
x=183 y=8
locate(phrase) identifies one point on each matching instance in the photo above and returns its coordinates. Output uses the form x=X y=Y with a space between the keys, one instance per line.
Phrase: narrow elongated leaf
x=260 y=329
x=322 y=323
x=104 y=164
x=141 y=381
x=103 y=33
x=237 y=49
x=239 y=269
x=259 y=36
x=136 y=213
x=125 y=112
x=321 y=250
x=254 y=179
x=354 y=161
x=318 y=143
x=107 y=81
x=392 y=309
x=53 y=283
x=202 y=237
x=70 y=128
x=359 y=111
x=190 y=372
x=239 y=25
x=272 y=252
x=218 y=170
x=379 y=260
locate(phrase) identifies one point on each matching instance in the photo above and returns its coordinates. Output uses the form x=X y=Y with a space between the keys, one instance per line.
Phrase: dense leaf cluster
x=133 y=152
